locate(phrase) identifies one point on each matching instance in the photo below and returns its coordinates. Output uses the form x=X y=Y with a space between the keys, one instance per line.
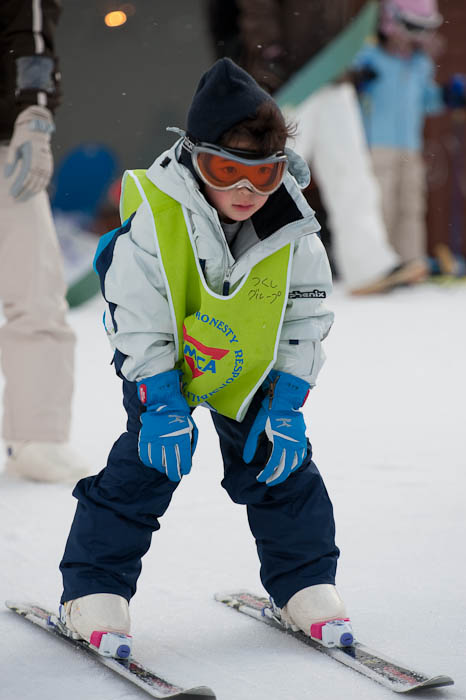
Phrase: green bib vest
x=225 y=345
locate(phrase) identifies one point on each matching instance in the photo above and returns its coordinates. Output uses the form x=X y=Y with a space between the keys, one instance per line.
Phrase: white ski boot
x=320 y=613
x=45 y=461
x=102 y=619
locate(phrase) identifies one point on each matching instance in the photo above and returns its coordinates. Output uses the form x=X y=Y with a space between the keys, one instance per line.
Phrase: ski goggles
x=415 y=25
x=414 y=29
x=228 y=168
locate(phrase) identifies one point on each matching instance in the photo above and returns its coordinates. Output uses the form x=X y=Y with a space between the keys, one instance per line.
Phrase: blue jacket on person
x=395 y=103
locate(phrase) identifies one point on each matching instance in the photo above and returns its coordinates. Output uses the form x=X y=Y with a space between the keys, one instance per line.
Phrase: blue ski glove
x=454 y=92
x=281 y=420
x=362 y=77
x=168 y=434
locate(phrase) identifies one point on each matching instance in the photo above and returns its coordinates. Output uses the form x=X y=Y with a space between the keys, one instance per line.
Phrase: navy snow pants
x=119 y=509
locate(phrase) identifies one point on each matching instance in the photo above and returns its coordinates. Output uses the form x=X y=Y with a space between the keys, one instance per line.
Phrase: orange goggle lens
x=221 y=172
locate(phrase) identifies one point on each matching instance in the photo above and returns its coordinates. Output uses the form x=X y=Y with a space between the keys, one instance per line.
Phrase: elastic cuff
x=160 y=387
x=290 y=387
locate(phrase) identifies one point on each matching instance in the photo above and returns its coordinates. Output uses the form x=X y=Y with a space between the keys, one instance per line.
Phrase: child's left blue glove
x=281 y=420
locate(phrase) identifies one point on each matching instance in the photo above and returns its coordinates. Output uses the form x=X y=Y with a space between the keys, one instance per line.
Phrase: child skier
x=214 y=285
x=395 y=99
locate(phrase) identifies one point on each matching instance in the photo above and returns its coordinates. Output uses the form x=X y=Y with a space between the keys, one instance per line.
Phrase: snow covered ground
x=387 y=422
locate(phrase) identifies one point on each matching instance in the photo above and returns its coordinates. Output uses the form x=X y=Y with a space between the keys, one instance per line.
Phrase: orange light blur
x=115 y=19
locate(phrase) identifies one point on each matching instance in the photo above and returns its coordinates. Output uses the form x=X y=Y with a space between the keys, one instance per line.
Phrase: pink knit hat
x=410 y=15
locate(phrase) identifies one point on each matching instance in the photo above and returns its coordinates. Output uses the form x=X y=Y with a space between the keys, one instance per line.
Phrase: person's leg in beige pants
x=36 y=342
x=411 y=240
x=401 y=178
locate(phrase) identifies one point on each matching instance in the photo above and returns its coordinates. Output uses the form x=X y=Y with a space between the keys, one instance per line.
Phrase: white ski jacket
x=139 y=324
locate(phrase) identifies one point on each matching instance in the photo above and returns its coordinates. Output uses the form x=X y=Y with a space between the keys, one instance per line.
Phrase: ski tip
x=439 y=682
x=434 y=682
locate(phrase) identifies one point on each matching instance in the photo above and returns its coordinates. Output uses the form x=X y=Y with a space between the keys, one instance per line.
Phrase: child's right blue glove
x=168 y=434
x=281 y=420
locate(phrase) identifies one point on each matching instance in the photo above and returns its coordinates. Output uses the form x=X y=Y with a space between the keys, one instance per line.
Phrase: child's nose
x=246 y=191
x=245 y=187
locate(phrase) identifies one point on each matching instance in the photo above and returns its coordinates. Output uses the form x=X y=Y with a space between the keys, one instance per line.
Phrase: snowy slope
x=387 y=424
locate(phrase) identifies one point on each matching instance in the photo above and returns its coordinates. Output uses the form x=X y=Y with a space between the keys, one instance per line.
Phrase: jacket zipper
x=271 y=391
x=226 y=282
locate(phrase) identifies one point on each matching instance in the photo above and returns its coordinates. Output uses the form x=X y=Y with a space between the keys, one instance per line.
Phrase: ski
x=359 y=657
x=132 y=670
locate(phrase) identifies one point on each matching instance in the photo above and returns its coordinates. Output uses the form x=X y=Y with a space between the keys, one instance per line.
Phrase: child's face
x=239 y=203
x=404 y=43
x=401 y=43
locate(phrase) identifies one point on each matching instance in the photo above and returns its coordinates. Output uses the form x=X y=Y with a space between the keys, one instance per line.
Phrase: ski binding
x=105 y=647
x=331 y=640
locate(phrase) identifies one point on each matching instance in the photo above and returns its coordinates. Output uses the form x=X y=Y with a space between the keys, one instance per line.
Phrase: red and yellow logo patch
x=201 y=358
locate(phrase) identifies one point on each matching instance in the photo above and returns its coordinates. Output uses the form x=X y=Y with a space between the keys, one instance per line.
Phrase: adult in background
x=36 y=343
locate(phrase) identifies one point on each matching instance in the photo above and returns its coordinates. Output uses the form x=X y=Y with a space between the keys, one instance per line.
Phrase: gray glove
x=30 y=148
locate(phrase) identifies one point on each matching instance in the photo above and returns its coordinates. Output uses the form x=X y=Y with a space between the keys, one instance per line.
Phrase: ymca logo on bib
x=212 y=368
x=201 y=358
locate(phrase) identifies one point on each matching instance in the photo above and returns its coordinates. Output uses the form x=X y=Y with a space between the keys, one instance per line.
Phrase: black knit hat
x=225 y=96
